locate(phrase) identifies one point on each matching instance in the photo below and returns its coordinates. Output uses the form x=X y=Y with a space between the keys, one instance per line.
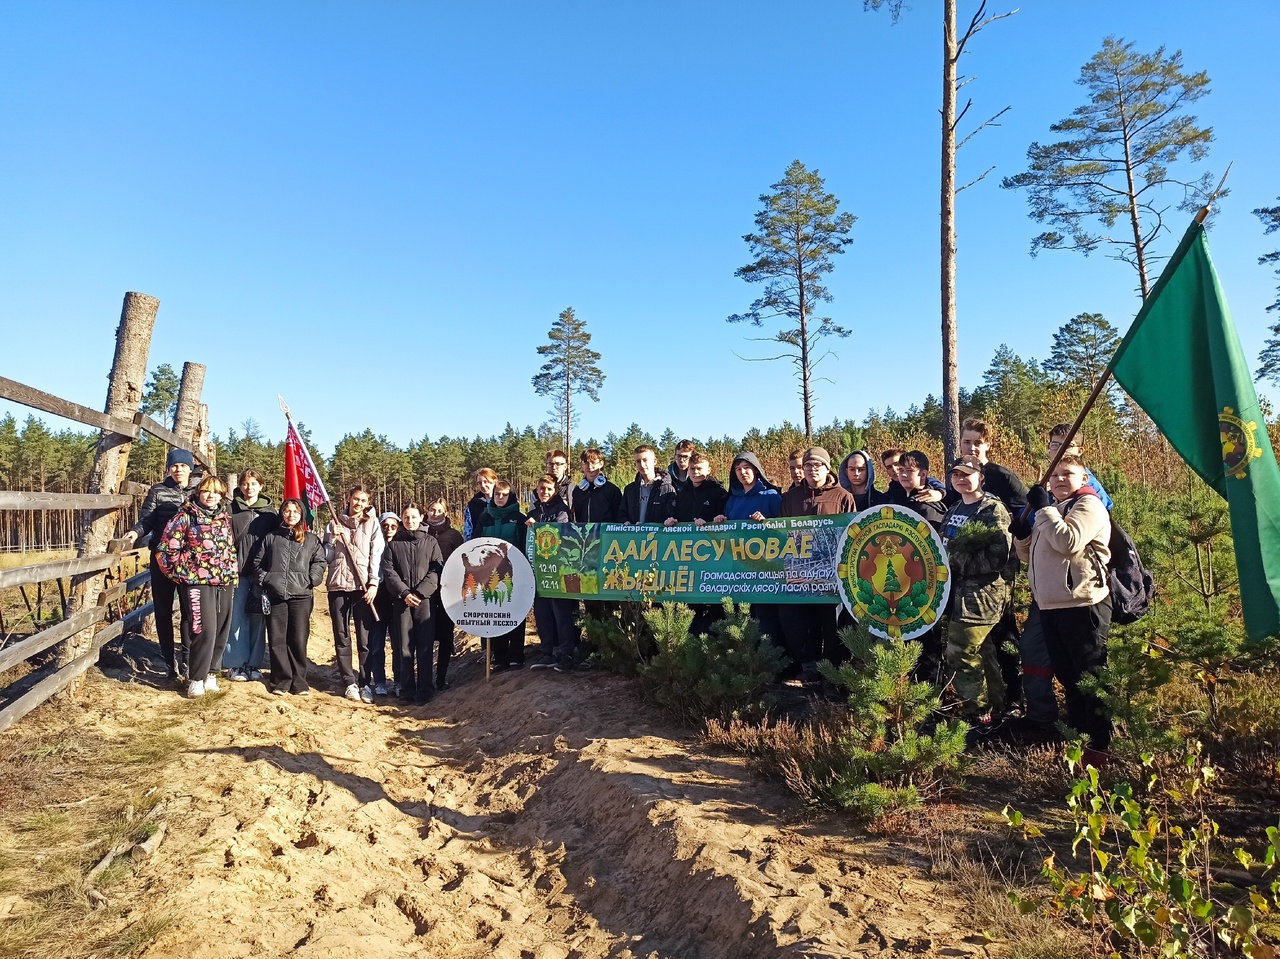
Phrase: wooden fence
x=103 y=591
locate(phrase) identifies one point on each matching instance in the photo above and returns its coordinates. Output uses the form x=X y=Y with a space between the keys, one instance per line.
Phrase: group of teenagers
x=991 y=522
x=245 y=574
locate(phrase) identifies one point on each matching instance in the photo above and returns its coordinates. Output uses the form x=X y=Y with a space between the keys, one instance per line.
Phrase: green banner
x=791 y=560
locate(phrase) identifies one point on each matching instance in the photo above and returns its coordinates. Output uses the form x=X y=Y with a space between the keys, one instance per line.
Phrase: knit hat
x=819 y=454
x=177 y=456
x=386 y=516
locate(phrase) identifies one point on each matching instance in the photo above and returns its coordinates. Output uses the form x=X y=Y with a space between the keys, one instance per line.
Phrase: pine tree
x=1269 y=358
x=881 y=756
x=798 y=233
x=1113 y=164
x=572 y=367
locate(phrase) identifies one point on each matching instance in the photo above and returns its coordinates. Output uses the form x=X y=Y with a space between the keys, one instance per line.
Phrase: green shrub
x=869 y=759
x=725 y=670
x=1148 y=884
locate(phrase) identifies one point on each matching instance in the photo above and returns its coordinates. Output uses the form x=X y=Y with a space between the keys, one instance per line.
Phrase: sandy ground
x=536 y=816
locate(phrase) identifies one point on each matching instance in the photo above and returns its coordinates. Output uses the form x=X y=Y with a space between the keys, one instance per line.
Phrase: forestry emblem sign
x=1239 y=443
x=487 y=587
x=892 y=572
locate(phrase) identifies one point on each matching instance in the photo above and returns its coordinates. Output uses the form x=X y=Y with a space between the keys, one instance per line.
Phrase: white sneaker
x=239 y=675
x=366 y=694
x=195 y=690
x=211 y=684
x=353 y=693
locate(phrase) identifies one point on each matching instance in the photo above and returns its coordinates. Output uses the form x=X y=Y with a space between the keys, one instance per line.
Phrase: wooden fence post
x=186 y=420
x=124 y=397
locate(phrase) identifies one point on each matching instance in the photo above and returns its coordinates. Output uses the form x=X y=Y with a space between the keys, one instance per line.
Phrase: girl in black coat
x=287 y=566
x=556 y=619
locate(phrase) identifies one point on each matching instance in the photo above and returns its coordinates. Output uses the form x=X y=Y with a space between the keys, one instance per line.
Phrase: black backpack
x=1132 y=588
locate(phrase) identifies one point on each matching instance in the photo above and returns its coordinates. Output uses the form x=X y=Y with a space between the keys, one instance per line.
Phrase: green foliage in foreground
x=698 y=676
x=1148 y=887
x=887 y=754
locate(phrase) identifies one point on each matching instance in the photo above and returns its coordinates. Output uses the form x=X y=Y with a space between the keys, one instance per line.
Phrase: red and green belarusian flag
x=1181 y=362
x=301 y=478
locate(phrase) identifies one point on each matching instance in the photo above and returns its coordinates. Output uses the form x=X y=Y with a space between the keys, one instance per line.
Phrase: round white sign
x=487 y=587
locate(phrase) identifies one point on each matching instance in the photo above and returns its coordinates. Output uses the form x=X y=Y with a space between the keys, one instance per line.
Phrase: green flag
x=1182 y=363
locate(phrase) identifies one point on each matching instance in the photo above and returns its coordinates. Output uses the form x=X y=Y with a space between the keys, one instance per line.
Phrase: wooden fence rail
x=20 y=500
x=98 y=596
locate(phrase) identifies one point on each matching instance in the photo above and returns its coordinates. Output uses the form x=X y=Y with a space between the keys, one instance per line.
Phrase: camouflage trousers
x=972 y=659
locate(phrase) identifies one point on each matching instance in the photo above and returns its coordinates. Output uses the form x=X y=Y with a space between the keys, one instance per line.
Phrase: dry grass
x=31 y=557
x=982 y=881
x=67 y=797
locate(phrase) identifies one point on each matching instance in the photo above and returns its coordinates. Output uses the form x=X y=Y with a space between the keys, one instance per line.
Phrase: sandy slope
x=539 y=816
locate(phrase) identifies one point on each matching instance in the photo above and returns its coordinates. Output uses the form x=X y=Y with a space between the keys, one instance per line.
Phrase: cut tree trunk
x=124 y=397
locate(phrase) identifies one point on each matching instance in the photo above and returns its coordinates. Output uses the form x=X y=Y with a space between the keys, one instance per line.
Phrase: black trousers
x=557 y=624
x=162 y=593
x=444 y=639
x=508 y=649
x=1007 y=639
x=809 y=631
x=288 y=628
x=206 y=624
x=417 y=637
x=346 y=606
x=385 y=628
x=1077 y=643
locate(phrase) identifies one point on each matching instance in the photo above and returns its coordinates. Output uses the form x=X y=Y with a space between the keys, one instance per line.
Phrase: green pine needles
x=712 y=674
x=887 y=755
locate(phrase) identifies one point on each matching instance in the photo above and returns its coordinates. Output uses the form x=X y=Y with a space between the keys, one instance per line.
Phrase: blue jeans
x=247 y=644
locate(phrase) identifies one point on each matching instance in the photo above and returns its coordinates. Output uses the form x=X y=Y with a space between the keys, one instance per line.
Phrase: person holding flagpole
x=287 y=565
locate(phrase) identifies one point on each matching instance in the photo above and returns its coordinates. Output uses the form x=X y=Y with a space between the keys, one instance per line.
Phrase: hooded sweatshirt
x=250 y=523
x=762 y=497
x=872 y=496
x=828 y=500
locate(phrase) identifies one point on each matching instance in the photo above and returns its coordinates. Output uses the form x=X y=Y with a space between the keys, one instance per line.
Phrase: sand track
x=539 y=816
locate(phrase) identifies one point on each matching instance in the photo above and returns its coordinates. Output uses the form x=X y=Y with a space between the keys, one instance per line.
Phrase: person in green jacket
x=503 y=519
x=976 y=532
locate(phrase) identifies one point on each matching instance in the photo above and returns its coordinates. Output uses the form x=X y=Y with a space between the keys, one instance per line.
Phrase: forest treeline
x=1021 y=399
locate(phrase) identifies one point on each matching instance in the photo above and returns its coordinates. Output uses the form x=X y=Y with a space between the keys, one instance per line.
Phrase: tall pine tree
x=571 y=367
x=798 y=233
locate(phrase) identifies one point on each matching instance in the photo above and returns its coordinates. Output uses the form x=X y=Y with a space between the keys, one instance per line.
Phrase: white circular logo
x=487 y=587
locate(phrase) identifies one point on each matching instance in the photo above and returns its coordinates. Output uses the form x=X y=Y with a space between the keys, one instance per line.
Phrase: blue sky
x=378 y=209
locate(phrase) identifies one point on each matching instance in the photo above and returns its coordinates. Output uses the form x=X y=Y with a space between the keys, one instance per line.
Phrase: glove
x=1038 y=497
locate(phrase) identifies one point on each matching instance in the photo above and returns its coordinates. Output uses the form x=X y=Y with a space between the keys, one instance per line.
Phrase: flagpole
x=1201 y=215
x=328 y=500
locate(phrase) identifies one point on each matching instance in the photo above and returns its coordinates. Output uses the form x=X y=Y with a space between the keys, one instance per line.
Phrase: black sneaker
x=545 y=661
x=563 y=664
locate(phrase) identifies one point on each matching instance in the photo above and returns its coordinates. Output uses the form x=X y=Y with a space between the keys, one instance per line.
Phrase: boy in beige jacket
x=1066 y=552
